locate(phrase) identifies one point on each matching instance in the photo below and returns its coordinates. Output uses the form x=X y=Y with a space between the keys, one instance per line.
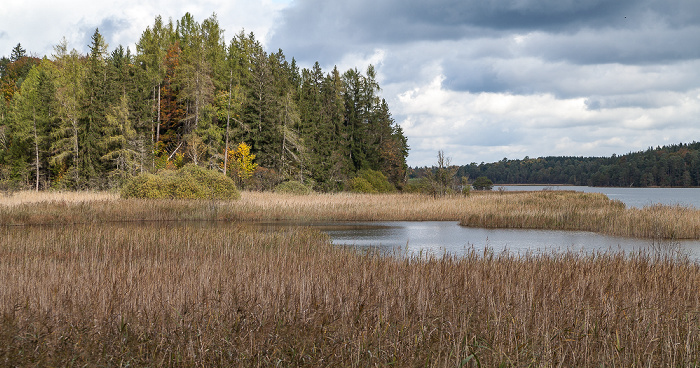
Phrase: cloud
x=475 y=127
x=39 y=25
x=479 y=79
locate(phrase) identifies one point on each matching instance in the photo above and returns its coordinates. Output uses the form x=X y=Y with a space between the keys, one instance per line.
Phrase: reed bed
x=30 y=196
x=561 y=210
x=556 y=210
x=221 y=295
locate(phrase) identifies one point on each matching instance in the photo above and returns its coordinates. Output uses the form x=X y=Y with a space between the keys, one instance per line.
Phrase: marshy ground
x=105 y=288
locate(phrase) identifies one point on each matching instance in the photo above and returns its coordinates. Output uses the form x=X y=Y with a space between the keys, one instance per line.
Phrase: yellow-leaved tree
x=240 y=163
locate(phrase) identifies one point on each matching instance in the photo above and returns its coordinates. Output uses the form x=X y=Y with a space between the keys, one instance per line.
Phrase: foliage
x=440 y=180
x=264 y=179
x=361 y=185
x=189 y=182
x=240 y=162
x=482 y=183
x=293 y=187
x=182 y=97
x=668 y=166
x=371 y=181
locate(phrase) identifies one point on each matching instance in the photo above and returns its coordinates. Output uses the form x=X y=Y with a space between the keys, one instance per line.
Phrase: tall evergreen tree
x=94 y=106
x=185 y=93
x=65 y=149
x=33 y=113
x=152 y=50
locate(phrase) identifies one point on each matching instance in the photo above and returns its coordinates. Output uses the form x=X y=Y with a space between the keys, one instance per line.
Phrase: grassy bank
x=533 y=210
x=187 y=295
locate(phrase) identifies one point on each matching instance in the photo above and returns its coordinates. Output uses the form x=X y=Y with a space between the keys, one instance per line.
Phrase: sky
x=480 y=80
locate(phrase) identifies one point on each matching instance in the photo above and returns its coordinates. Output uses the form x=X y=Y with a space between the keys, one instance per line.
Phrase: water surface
x=439 y=237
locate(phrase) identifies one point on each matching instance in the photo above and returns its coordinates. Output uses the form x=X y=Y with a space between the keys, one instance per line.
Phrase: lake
x=632 y=197
x=439 y=237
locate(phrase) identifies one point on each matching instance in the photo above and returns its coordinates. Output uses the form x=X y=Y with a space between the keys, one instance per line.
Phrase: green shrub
x=361 y=185
x=292 y=187
x=416 y=185
x=189 y=182
x=482 y=183
x=375 y=179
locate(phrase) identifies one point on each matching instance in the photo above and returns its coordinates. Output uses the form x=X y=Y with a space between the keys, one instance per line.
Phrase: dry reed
x=560 y=210
x=221 y=295
x=27 y=196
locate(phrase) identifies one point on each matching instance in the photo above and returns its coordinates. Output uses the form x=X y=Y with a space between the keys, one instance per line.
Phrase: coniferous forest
x=186 y=95
x=675 y=165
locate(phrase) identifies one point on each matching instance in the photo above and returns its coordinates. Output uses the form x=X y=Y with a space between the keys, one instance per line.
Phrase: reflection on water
x=439 y=237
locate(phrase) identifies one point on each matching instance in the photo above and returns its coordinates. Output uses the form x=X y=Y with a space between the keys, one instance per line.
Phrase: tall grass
x=585 y=211
x=189 y=295
x=534 y=210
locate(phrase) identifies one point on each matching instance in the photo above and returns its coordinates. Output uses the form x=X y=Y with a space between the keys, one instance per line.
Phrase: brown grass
x=30 y=196
x=560 y=210
x=221 y=295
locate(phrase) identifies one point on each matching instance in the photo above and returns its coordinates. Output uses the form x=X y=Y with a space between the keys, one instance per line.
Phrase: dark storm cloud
x=593 y=77
x=647 y=45
x=578 y=31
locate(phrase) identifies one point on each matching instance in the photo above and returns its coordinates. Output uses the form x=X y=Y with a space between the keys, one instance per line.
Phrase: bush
x=482 y=183
x=189 y=182
x=293 y=187
x=361 y=185
x=375 y=179
x=416 y=185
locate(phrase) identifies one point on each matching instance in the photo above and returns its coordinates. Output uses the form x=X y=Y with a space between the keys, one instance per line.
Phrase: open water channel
x=437 y=238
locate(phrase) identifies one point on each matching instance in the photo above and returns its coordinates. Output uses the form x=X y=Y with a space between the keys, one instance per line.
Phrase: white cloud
x=463 y=78
x=39 y=25
x=489 y=126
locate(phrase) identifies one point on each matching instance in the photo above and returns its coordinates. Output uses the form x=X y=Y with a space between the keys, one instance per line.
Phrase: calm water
x=439 y=237
x=448 y=237
x=632 y=197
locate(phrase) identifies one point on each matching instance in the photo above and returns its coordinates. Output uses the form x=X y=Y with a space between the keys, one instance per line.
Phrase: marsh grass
x=561 y=210
x=556 y=210
x=221 y=295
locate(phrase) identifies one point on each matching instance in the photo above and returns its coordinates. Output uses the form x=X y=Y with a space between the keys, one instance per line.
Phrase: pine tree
x=32 y=121
x=339 y=165
x=66 y=146
x=119 y=144
x=94 y=106
x=152 y=51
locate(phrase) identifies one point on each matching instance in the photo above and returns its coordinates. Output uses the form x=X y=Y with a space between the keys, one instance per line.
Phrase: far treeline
x=675 y=165
x=186 y=96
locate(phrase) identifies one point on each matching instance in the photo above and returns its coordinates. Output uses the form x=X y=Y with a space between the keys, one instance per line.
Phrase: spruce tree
x=65 y=147
x=92 y=122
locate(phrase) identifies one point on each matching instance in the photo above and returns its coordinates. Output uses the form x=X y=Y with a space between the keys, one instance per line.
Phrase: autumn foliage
x=240 y=162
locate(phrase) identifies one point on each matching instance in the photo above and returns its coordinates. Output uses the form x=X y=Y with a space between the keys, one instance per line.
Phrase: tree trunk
x=36 y=148
x=228 y=121
x=158 y=119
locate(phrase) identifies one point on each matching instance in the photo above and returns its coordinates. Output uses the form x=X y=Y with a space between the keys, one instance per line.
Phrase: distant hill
x=668 y=166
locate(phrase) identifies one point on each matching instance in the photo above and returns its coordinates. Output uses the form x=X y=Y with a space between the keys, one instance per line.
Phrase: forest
x=675 y=165
x=93 y=121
